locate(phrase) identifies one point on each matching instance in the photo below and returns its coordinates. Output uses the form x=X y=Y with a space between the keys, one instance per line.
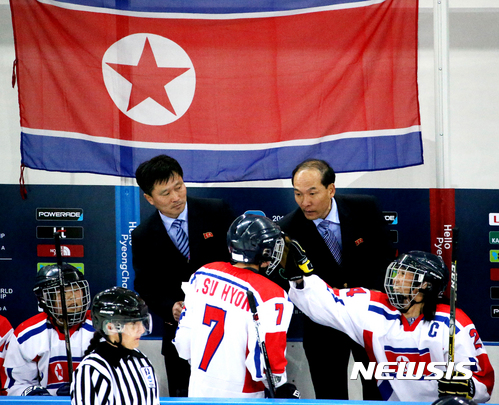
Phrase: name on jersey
x=225 y=292
x=412 y=370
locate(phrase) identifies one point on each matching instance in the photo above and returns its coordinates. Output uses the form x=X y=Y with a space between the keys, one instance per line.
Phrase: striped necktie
x=331 y=241
x=182 y=240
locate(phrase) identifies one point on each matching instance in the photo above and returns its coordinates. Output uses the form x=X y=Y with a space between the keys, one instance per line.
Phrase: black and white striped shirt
x=114 y=376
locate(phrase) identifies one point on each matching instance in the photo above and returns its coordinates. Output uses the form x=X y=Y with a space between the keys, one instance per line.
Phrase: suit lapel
x=346 y=221
x=193 y=222
x=160 y=233
x=316 y=241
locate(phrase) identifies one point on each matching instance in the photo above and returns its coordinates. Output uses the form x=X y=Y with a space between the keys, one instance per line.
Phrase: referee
x=114 y=371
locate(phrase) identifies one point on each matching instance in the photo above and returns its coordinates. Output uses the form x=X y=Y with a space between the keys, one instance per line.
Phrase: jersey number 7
x=216 y=316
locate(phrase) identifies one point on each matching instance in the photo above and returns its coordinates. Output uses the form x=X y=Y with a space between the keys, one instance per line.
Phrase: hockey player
x=36 y=359
x=6 y=332
x=406 y=324
x=114 y=371
x=216 y=333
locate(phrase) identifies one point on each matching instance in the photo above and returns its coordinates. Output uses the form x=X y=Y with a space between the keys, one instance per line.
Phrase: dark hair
x=327 y=172
x=94 y=342
x=430 y=302
x=159 y=169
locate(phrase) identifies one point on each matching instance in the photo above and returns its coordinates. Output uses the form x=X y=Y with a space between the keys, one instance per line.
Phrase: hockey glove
x=63 y=390
x=460 y=388
x=287 y=390
x=295 y=263
x=35 y=390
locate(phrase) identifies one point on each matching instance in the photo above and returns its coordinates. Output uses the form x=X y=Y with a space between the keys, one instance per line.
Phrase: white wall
x=474 y=102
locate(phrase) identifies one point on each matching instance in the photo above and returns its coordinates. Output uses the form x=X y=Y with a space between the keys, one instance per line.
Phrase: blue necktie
x=182 y=240
x=331 y=241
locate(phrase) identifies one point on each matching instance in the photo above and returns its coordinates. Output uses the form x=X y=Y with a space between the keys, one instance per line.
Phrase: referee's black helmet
x=119 y=306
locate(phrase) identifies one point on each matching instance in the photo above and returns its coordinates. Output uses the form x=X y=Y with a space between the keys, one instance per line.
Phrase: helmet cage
x=403 y=282
x=270 y=250
x=77 y=296
x=274 y=255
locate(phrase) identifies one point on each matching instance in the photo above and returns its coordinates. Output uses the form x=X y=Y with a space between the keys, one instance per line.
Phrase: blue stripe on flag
x=346 y=155
x=211 y=6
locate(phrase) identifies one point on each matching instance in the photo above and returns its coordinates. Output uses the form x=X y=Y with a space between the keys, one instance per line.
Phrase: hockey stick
x=453 y=297
x=263 y=348
x=63 y=305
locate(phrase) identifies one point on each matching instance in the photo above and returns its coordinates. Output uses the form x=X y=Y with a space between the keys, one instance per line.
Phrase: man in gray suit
x=183 y=234
x=347 y=240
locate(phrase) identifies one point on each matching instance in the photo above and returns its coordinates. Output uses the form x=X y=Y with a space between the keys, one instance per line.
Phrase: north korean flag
x=409 y=355
x=235 y=90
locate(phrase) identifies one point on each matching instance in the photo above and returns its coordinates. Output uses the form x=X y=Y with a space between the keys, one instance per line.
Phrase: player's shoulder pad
x=31 y=323
x=378 y=297
x=461 y=317
x=267 y=289
x=5 y=326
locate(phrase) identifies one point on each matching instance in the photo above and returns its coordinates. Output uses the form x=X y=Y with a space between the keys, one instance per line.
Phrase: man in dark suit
x=347 y=240
x=181 y=236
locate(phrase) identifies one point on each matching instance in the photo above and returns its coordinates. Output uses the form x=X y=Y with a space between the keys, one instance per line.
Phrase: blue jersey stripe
x=381 y=311
x=31 y=333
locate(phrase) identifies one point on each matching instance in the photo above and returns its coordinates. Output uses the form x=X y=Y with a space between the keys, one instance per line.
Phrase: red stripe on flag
x=258 y=80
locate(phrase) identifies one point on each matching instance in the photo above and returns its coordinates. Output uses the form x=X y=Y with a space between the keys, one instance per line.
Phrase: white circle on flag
x=127 y=53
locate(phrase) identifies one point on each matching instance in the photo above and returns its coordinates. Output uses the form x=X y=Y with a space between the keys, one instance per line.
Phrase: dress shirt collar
x=332 y=216
x=167 y=221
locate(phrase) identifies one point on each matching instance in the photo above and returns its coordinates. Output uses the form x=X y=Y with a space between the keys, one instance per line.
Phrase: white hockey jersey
x=6 y=332
x=217 y=334
x=37 y=354
x=369 y=319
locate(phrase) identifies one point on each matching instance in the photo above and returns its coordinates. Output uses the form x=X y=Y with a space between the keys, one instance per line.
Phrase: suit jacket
x=366 y=253
x=367 y=249
x=160 y=268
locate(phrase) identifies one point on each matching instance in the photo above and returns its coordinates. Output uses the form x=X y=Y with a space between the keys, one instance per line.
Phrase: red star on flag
x=148 y=79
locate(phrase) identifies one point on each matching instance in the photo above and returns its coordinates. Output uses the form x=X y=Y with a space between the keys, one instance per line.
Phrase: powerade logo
x=59 y=214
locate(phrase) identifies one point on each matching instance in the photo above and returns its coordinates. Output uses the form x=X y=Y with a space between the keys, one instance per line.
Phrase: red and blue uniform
x=6 y=332
x=386 y=334
x=37 y=353
x=217 y=335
